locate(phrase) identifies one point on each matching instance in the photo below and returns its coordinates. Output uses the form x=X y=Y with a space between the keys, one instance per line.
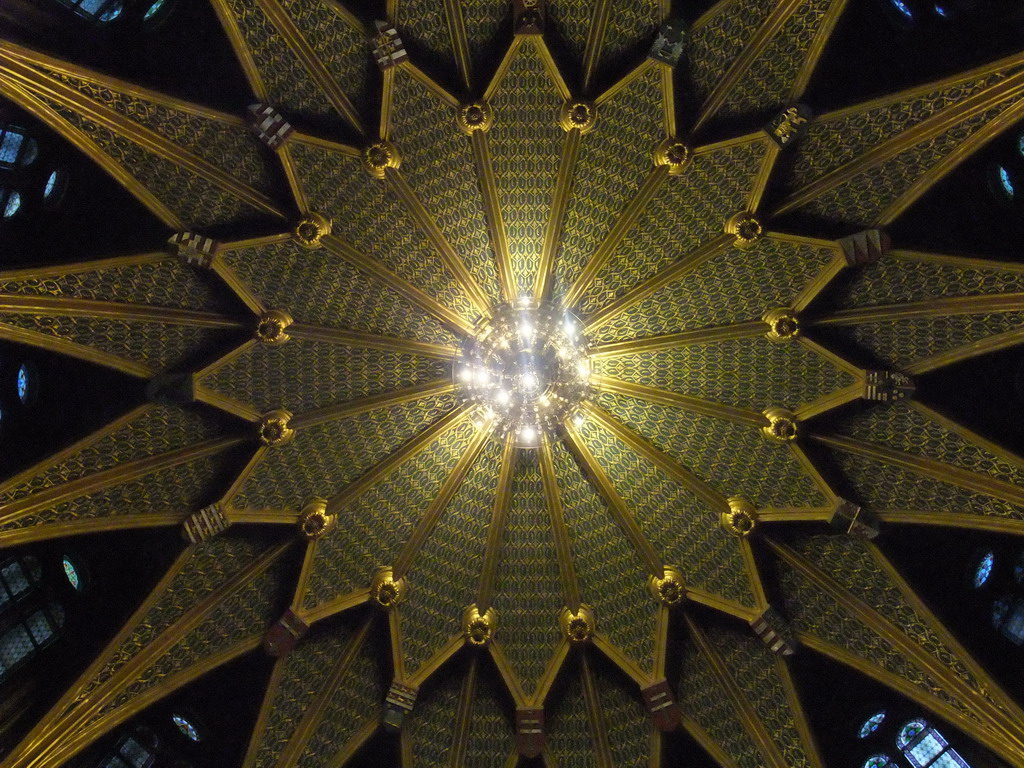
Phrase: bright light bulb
x=483 y=378
x=466 y=375
x=584 y=369
x=525 y=330
x=528 y=434
x=578 y=419
x=502 y=397
x=530 y=381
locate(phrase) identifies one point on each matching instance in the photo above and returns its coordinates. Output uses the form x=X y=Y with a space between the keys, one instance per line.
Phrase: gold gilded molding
x=387 y=591
x=314 y=520
x=479 y=628
x=578 y=116
x=311 y=228
x=378 y=156
x=474 y=116
x=783 y=324
x=670 y=589
x=741 y=517
x=274 y=429
x=271 y=327
x=577 y=625
x=781 y=426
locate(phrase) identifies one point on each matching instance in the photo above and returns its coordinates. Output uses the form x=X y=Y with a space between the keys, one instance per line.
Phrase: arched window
x=72 y=573
x=871 y=725
x=1008 y=618
x=102 y=11
x=134 y=750
x=10 y=202
x=26 y=382
x=16 y=149
x=903 y=10
x=880 y=761
x=925 y=747
x=187 y=727
x=18 y=578
x=27 y=635
x=983 y=570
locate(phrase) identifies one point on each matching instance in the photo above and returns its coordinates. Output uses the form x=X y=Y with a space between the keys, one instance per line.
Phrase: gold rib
x=708 y=744
x=971 y=437
x=43 y=271
x=90 y=149
x=966 y=352
x=832 y=400
x=559 y=531
x=757 y=584
x=397 y=654
x=661 y=643
x=655 y=283
x=409 y=450
x=817 y=47
x=625 y=80
x=438 y=660
x=241 y=48
x=238 y=286
x=310 y=61
x=508 y=675
x=676 y=400
x=663 y=461
x=250 y=466
x=36 y=533
x=14 y=66
x=397 y=183
x=73 y=349
x=407 y=556
x=615 y=655
x=756 y=45
x=595 y=40
x=249 y=761
x=371 y=341
x=460 y=43
x=387 y=101
x=803 y=725
x=371 y=403
x=627 y=219
x=819 y=282
x=117 y=475
x=503 y=67
x=355 y=743
x=337 y=605
x=595 y=714
x=464 y=717
x=57 y=306
x=492 y=212
x=812 y=471
x=683 y=339
x=794 y=514
x=559 y=202
x=317 y=708
x=502 y=500
x=929 y=128
x=291 y=172
x=722 y=604
x=620 y=513
x=224 y=360
x=936 y=470
x=227 y=404
x=551 y=671
x=430 y=84
x=745 y=711
x=1014 y=527
x=407 y=290
x=540 y=47
x=940 y=307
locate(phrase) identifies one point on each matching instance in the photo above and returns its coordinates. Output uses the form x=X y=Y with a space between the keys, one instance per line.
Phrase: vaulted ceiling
x=753 y=434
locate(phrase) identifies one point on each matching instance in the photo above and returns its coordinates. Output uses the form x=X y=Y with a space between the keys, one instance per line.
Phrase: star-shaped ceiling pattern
x=321 y=382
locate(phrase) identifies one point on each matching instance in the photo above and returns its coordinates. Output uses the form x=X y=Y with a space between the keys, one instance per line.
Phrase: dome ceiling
x=728 y=466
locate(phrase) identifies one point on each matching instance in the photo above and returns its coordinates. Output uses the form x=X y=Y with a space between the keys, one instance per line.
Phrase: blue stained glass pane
x=926 y=748
x=112 y=13
x=909 y=731
x=984 y=569
x=23 y=383
x=1013 y=626
x=92 y=7
x=1006 y=182
x=51 y=184
x=871 y=724
x=187 y=729
x=135 y=754
x=72 y=573
x=950 y=759
x=153 y=10
x=13 y=204
x=9 y=146
x=878 y=761
x=903 y=8
x=941 y=11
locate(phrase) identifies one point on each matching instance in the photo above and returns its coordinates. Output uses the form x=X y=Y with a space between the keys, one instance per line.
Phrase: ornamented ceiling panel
x=517 y=581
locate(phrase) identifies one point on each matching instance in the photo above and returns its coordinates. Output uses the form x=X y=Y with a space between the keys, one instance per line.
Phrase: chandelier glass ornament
x=526 y=367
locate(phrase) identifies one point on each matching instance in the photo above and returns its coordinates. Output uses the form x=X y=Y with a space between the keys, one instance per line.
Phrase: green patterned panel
x=343 y=49
x=901 y=342
x=866 y=195
x=305 y=672
x=629 y=725
x=682 y=529
x=157 y=429
x=484 y=19
x=373 y=528
x=703 y=699
x=447 y=570
x=735 y=459
x=425 y=22
x=881 y=486
x=287 y=82
x=301 y=375
x=571 y=19
x=166 y=283
x=321 y=289
x=198 y=202
x=210 y=565
x=834 y=141
x=526 y=145
x=757 y=669
x=629 y=22
x=857 y=565
x=733 y=286
x=813 y=611
x=361 y=208
x=897 y=279
x=437 y=161
x=611 y=576
x=322 y=460
x=161 y=346
x=231 y=148
x=431 y=725
x=244 y=613
x=750 y=373
x=528 y=588
x=359 y=697
x=568 y=725
x=687 y=211
x=179 y=490
x=768 y=82
x=614 y=160
x=904 y=428
x=713 y=46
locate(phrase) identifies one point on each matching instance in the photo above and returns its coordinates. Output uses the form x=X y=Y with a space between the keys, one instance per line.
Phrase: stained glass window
x=941 y=11
x=98 y=10
x=871 y=724
x=925 y=747
x=24 y=383
x=1013 y=623
x=51 y=185
x=984 y=569
x=188 y=730
x=1005 y=182
x=13 y=204
x=153 y=10
x=10 y=146
x=879 y=761
x=909 y=731
x=112 y=13
x=72 y=573
x=903 y=9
